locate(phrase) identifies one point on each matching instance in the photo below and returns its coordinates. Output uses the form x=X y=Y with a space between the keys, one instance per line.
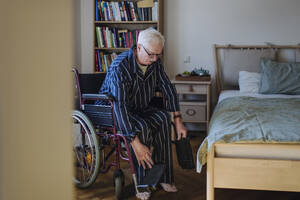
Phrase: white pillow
x=249 y=81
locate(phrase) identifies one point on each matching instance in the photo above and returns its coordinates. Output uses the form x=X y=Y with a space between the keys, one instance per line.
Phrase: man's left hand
x=181 y=130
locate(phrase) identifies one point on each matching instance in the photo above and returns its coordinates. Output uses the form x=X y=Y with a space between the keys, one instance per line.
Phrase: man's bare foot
x=168 y=187
x=143 y=195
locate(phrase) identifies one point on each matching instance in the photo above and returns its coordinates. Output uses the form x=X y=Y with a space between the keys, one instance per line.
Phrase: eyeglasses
x=151 y=55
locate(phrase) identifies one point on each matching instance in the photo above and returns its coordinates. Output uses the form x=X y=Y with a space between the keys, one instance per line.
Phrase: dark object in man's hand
x=184 y=153
x=152 y=177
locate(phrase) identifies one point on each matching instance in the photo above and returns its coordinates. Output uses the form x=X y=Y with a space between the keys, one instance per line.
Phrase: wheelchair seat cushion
x=99 y=114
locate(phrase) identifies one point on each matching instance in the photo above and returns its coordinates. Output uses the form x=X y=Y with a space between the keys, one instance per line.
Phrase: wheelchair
x=95 y=131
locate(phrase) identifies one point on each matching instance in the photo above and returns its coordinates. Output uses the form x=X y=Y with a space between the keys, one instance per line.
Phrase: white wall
x=193 y=26
x=87 y=34
x=77 y=34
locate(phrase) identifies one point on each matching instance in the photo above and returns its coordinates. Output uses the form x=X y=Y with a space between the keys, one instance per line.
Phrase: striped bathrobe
x=133 y=91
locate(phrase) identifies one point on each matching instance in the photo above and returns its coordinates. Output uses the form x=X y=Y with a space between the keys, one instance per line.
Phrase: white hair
x=150 y=36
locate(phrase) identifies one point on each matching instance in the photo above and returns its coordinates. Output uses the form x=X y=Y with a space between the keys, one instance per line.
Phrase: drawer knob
x=190 y=112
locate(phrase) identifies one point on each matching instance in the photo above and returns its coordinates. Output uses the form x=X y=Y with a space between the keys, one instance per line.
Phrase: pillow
x=280 y=77
x=249 y=81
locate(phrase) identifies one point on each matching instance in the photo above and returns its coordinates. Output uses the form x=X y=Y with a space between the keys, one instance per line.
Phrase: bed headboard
x=230 y=59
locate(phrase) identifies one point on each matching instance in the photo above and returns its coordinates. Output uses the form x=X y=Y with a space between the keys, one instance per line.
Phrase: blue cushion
x=279 y=77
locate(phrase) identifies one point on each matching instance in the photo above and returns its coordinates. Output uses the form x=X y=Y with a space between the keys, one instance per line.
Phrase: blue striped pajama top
x=133 y=90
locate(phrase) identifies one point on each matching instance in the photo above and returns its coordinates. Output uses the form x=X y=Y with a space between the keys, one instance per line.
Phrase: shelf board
x=126 y=22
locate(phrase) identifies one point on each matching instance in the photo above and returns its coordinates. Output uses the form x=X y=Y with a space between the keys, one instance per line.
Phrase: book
x=121 y=11
x=96 y=11
x=97 y=60
x=131 y=7
x=98 y=36
x=124 y=11
x=102 y=61
x=128 y=11
x=111 y=12
x=155 y=11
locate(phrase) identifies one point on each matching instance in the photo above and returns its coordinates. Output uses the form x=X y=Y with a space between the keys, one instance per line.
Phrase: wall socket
x=187 y=59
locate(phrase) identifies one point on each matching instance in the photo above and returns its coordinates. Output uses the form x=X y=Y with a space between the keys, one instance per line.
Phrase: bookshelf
x=117 y=24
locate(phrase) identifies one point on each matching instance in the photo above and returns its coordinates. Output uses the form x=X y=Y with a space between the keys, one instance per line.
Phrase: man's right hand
x=142 y=153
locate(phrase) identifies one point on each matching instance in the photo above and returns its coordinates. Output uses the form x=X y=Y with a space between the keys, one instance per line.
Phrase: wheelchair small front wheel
x=86 y=150
x=119 y=182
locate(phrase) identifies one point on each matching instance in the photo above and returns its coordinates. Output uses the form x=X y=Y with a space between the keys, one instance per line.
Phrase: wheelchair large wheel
x=86 y=150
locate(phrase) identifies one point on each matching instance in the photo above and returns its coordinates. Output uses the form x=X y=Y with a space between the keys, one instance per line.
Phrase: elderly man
x=132 y=79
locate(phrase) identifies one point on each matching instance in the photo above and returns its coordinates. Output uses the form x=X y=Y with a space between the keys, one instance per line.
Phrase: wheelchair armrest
x=97 y=97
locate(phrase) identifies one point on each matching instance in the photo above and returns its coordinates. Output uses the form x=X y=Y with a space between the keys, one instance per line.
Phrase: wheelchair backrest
x=100 y=115
x=87 y=84
x=91 y=83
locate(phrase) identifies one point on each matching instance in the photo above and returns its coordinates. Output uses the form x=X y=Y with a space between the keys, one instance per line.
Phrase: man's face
x=148 y=54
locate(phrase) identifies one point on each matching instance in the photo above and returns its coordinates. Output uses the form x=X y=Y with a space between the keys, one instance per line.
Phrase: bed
x=253 y=140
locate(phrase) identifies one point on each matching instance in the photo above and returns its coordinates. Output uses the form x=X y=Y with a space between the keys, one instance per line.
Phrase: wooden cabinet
x=117 y=25
x=194 y=100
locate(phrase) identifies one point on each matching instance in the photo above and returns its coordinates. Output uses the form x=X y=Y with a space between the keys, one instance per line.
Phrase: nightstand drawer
x=191 y=88
x=193 y=111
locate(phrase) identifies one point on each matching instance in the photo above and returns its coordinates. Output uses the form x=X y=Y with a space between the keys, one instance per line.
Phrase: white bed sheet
x=234 y=93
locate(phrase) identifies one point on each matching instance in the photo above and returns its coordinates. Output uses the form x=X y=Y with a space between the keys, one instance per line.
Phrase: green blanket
x=252 y=120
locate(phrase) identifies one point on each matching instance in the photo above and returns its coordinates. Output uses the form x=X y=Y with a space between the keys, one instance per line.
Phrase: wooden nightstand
x=194 y=100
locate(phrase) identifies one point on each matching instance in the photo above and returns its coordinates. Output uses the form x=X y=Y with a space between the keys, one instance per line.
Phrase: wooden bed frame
x=252 y=166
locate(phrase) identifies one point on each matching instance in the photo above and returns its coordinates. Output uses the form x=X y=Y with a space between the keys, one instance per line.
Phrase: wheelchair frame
x=89 y=155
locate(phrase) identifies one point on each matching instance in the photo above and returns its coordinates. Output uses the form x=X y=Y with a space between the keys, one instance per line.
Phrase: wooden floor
x=191 y=186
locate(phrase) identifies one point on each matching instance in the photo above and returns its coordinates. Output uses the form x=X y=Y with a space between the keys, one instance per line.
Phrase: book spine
x=117 y=11
x=121 y=11
x=107 y=37
x=137 y=32
x=99 y=10
x=116 y=38
x=134 y=37
x=102 y=61
x=96 y=62
x=124 y=39
x=127 y=40
x=96 y=11
x=127 y=11
x=124 y=11
x=155 y=11
x=112 y=36
x=111 y=12
x=136 y=11
x=107 y=17
x=98 y=36
x=99 y=62
x=131 y=8
x=150 y=14
x=130 y=39
x=104 y=37
x=105 y=63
